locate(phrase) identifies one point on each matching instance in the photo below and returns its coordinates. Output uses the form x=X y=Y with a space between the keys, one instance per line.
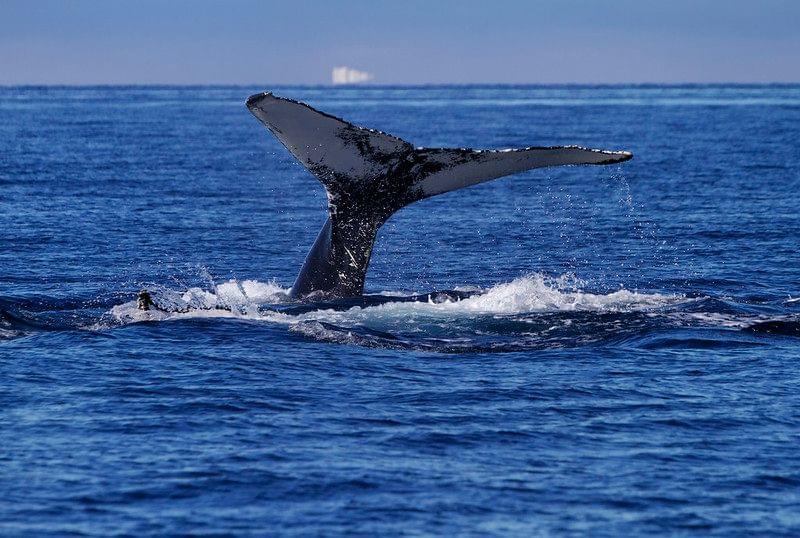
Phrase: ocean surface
x=626 y=360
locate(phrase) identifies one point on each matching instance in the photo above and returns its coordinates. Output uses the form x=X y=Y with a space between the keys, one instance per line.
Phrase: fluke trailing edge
x=369 y=175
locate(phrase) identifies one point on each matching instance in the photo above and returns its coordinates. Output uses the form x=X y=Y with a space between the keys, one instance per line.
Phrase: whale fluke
x=369 y=175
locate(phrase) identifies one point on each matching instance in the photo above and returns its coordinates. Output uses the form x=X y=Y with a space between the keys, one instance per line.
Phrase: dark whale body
x=369 y=175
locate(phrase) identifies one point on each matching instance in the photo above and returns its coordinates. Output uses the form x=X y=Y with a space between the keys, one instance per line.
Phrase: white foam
x=540 y=293
x=315 y=329
x=250 y=293
x=8 y=334
x=231 y=299
x=529 y=294
x=714 y=319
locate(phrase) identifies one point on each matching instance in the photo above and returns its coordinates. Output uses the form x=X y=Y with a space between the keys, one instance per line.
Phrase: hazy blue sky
x=287 y=42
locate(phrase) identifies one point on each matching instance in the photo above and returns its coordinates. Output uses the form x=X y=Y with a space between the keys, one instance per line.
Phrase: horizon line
x=389 y=85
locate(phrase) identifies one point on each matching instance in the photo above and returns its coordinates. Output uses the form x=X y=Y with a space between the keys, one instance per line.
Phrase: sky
x=398 y=41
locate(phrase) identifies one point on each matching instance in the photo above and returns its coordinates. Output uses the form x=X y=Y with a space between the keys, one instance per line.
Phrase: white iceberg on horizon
x=348 y=75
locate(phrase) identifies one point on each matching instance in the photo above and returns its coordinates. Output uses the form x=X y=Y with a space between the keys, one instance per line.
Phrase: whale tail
x=368 y=175
x=347 y=158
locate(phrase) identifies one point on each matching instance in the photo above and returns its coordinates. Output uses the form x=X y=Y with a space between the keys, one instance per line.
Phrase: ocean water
x=625 y=359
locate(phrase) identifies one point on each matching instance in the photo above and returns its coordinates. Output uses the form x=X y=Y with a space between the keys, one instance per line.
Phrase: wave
x=528 y=294
x=535 y=311
x=784 y=327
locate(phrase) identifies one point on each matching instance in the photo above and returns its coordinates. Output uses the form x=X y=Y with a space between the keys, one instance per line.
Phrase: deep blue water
x=631 y=366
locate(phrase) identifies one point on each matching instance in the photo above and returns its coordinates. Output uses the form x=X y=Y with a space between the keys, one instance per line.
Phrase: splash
x=535 y=311
x=251 y=299
x=540 y=293
x=230 y=299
